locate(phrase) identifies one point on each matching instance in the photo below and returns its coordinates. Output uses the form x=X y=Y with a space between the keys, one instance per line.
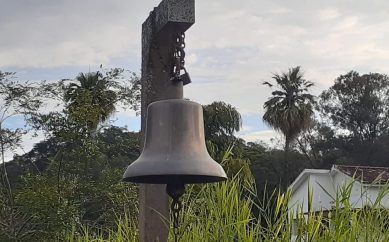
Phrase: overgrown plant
x=223 y=212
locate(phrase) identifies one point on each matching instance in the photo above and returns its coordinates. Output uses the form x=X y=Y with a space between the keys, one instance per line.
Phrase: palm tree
x=89 y=100
x=290 y=108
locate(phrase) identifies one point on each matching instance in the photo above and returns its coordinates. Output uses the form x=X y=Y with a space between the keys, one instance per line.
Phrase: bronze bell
x=174 y=150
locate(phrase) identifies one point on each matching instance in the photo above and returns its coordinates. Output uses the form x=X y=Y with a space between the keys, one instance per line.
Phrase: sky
x=232 y=48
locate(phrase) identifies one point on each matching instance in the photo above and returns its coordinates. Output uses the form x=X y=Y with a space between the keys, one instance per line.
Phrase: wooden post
x=170 y=18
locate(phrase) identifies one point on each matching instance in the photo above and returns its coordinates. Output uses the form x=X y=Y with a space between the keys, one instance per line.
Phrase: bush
x=223 y=212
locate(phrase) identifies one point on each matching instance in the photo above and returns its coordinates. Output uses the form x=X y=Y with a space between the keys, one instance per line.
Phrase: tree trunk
x=287 y=148
x=5 y=167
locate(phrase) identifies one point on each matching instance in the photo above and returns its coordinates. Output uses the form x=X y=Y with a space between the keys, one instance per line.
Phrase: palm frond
x=290 y=109
x=267 y=83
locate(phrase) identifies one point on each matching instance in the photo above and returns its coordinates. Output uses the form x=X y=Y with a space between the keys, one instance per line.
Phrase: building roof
x=304 y=174
x=366 y=174
x=363 y=174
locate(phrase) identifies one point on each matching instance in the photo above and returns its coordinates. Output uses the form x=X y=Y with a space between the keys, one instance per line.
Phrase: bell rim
x=174 y=178
x=175 y=101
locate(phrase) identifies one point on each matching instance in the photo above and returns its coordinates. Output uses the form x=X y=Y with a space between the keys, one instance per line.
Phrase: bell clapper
x=175 y=191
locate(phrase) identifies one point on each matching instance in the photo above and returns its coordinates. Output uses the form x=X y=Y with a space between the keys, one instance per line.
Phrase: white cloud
x=347 y=23
x=191 y=59
x=269 y=137
x=328 y=14
x=231 y=49
x=26 y=145
x=68 y=33
x=246 y=129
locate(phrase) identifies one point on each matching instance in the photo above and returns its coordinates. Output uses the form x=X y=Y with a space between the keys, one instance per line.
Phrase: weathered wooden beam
x=174 y=14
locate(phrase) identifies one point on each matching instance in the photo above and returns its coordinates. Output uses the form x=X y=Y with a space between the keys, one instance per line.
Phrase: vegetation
x=74 y=175
x=90 y=90
x=68 y=187
x=290 y=109
x=221 y=121
x=16 y=100
x=227 y=216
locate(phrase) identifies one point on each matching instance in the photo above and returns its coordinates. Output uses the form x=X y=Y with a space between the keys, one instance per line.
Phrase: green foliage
x=353 y=125
x=68 y=187
x=290 y=109
x=90 y=95
x=126 y=231
x=271 y=170
x=119 y=146
x=359 y=104
x=50 y=207
x=215 y=212
x=16 y=99
x=74 y=176
x=88 y=102
x=220 y=212
x=54 y=206
x=221 y=119
x=223 y=212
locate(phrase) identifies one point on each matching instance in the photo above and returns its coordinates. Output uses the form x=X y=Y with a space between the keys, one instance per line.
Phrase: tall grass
x=220 y=212
x=224 y=212
x=126 y=231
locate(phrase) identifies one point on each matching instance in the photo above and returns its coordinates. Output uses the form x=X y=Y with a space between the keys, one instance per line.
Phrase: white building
x=324 y=185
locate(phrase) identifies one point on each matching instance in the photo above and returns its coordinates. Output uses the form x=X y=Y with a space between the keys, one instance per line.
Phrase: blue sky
x=231 y=49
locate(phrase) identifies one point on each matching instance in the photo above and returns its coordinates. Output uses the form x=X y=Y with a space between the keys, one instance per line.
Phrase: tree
x=358 y=105
x=90 y=94
x=356 y=110
x=17 y=99
x=320 y=146
x=221 y=121
x=290 y=109
x=72 y=176
x=88 y=101
x=94 y=196
x=82 y=160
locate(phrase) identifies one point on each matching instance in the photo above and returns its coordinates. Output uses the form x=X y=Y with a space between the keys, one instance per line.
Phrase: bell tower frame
x=159 y=31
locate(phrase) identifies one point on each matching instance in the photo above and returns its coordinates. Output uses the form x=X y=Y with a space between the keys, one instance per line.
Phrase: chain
x=179 y=55
x=175 y=191
x=176 y=207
